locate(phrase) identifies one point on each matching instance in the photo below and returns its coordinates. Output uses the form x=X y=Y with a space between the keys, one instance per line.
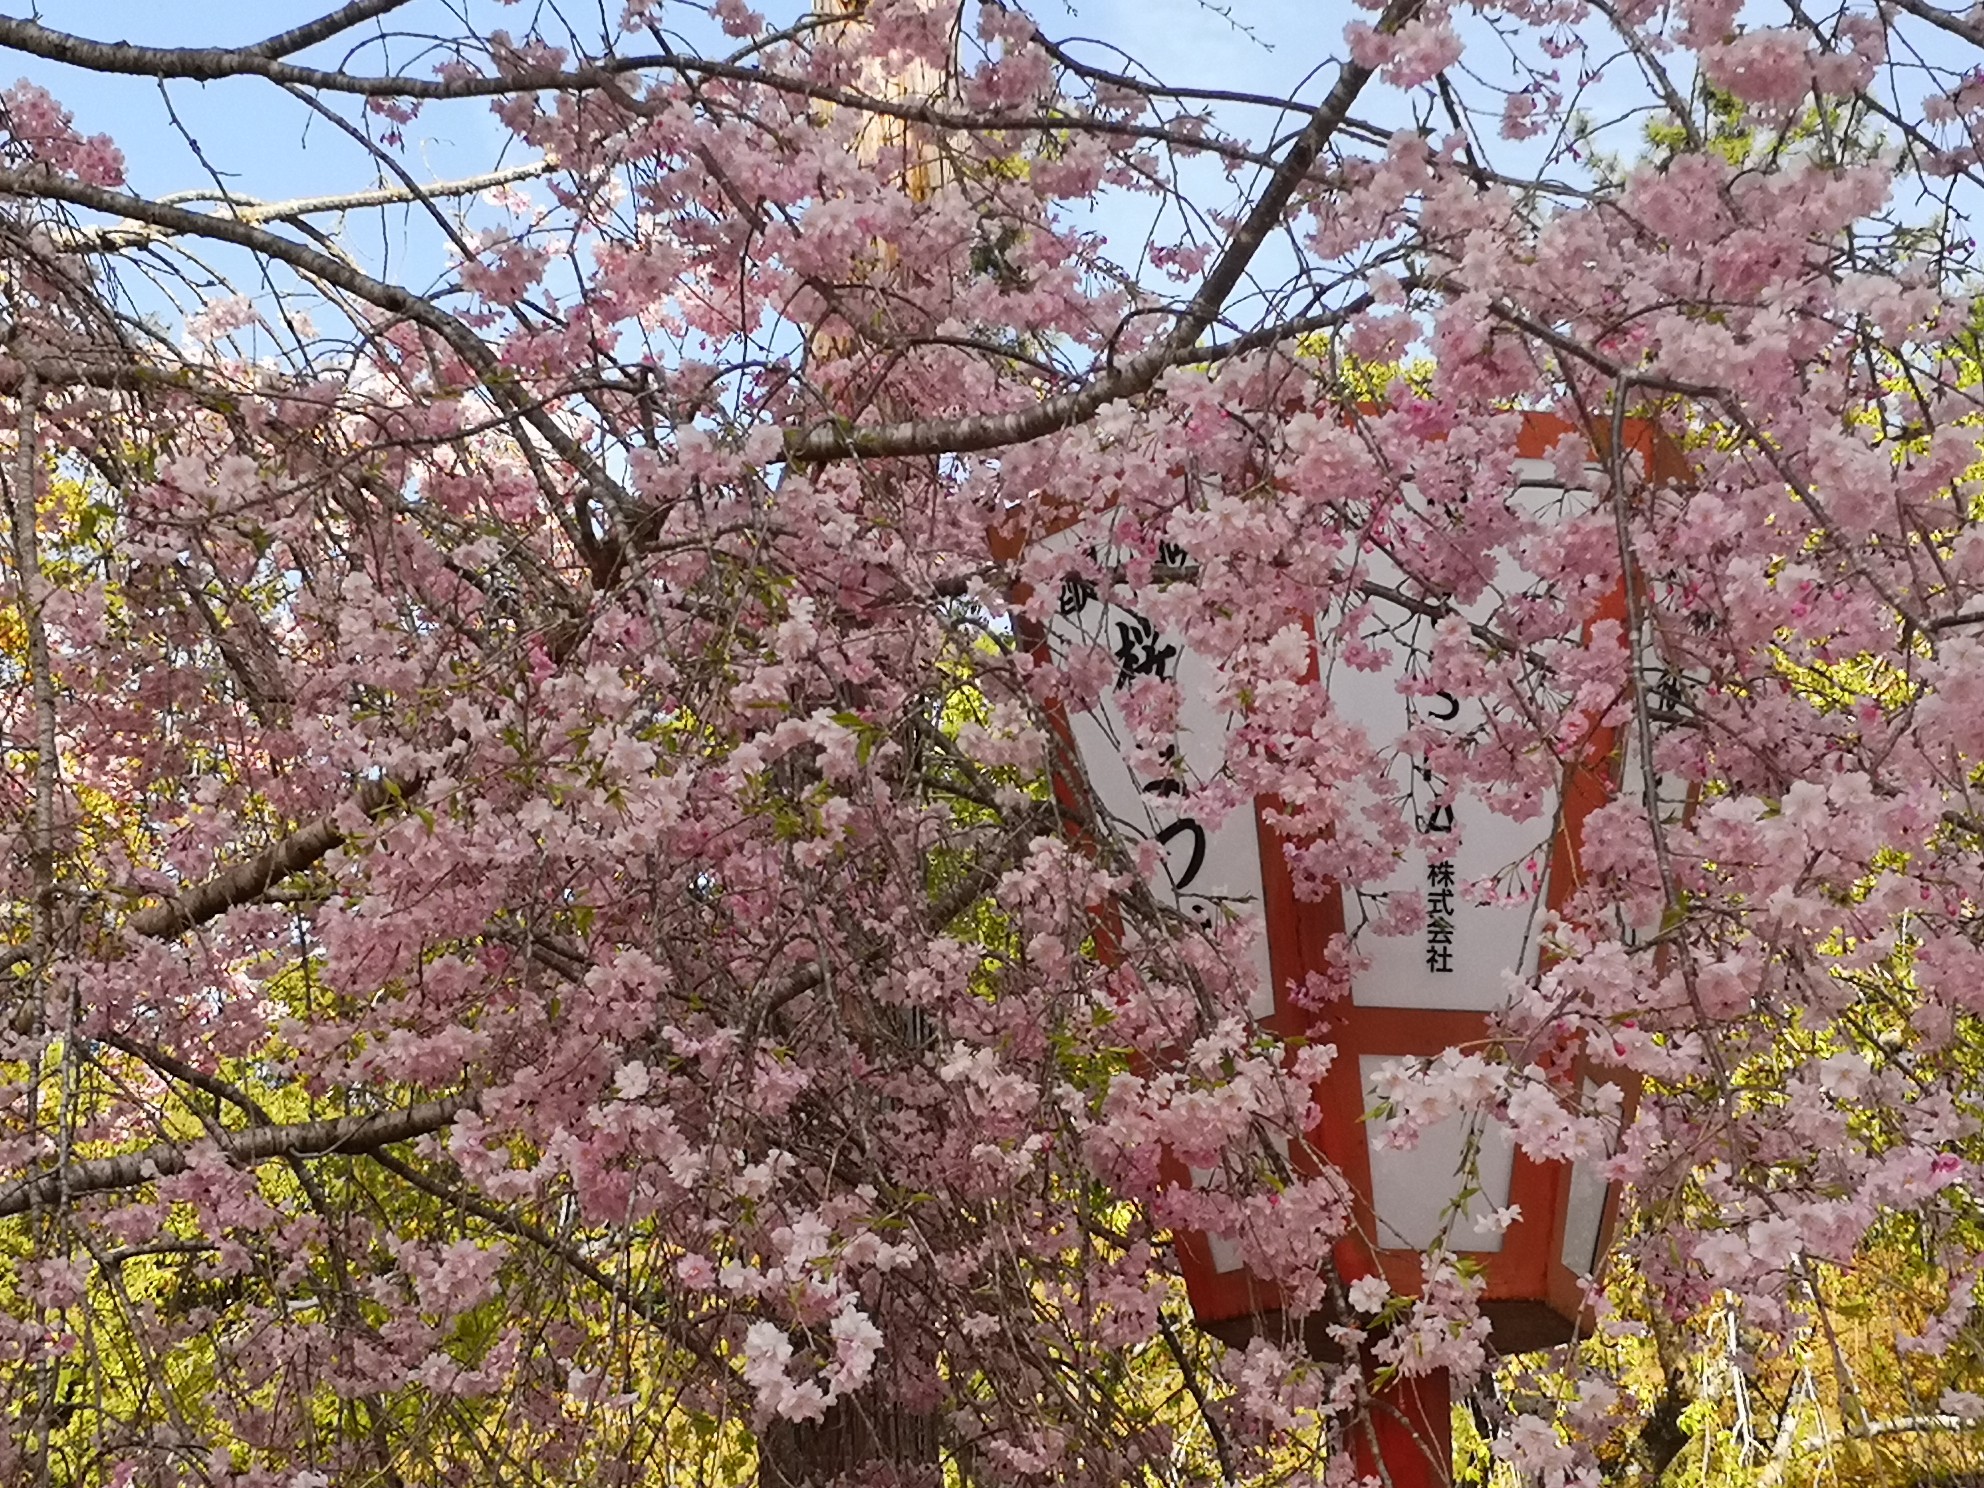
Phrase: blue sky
x=246 y=128
x=264 y=144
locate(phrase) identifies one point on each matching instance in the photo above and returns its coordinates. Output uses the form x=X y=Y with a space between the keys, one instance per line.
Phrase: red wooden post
x=1409 y=1430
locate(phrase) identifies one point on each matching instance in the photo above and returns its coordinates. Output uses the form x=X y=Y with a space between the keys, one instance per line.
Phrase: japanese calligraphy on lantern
x=1209 y=869
x=1440 y=918
x=1481 y=875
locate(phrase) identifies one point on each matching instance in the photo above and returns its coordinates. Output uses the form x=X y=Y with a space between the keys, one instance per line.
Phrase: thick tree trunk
x=856 y=1443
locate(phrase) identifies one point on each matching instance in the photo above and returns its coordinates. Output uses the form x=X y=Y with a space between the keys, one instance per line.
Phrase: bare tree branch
x=210 y=64
x=324 y=27
x=1956 y=23
x=247 y=209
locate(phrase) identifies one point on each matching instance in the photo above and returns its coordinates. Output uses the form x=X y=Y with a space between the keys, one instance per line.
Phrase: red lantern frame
x=1531 y=1296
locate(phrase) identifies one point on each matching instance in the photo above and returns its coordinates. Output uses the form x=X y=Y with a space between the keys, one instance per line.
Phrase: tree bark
x=344 y=1136
x=860 y=1440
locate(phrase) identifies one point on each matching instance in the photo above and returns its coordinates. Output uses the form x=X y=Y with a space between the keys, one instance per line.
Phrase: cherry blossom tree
x=554 y=925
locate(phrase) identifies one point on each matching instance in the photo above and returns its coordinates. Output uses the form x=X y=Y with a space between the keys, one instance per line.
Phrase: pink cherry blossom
x=801 y=751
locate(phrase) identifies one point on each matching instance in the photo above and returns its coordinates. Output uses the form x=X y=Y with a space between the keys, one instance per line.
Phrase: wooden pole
x=1408 y=1441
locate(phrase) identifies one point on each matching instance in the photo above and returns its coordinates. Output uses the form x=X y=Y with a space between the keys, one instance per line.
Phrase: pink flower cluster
x=35 y=121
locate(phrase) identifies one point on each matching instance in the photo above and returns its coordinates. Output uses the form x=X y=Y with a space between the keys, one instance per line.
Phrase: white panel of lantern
x=1416 y=1190
x=1208 y=869
x=1481 y=874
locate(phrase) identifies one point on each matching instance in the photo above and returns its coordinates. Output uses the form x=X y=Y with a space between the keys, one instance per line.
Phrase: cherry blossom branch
x=248 y=880
x=1139 y=372
x=1175 y=1346
x=116 y=377
x=1637 y=622
x=500 y=382
x=1732 y=408
x=1355 y=128
x=819 y=444
x=1571 y=347
x=910 y=111
x=649 y=1309
x=1898 y=1425
x=222 y=1090
x=977 y=881
x=1090 y=72
x=1441 y=610
x=344 y=1136
x=209 y=64
x=169 y=1064
x=31 y=588
x=251 y=664
x=1651 y=69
